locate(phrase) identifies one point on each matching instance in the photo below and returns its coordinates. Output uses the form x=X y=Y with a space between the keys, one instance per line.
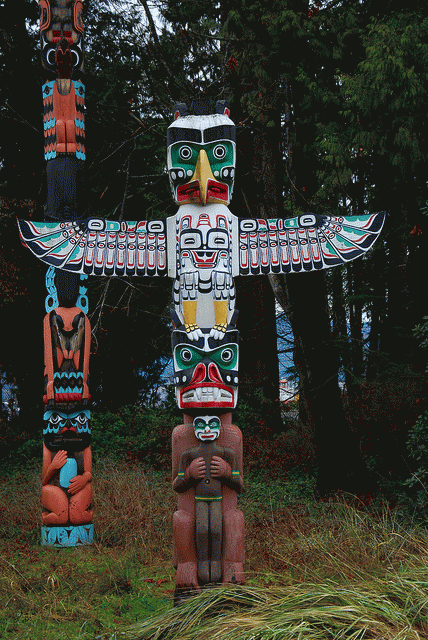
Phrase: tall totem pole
x=67 y=465
x=202 y=247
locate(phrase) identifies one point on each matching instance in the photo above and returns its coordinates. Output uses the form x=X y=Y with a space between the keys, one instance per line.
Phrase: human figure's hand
x=77 y=484
x=196 y=469
x=59 y=460
x=220 y=468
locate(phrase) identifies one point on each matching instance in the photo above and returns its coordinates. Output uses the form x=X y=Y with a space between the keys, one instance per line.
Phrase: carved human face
x=204 y=241
x=206 y=370
x=207 y=428
x=68 y=430
x=201 y=157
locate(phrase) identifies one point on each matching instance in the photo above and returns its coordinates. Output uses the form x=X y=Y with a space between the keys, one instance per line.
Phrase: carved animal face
x=206 y=370
x=68 y=430
x=60 y=21
x=201 y=157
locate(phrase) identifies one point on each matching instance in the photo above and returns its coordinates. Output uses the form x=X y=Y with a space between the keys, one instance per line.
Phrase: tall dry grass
x=340 y=573
x=315 y=570
x=392 y=608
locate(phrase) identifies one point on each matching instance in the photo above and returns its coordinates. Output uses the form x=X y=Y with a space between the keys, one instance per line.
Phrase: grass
x=315 y=570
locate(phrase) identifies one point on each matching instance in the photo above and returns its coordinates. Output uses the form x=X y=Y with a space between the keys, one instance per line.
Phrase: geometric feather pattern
x=104 y=247
x=306 y=243
x=99 y=247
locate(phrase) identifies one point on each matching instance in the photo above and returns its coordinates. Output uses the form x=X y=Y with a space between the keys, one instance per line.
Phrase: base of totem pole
x=69 y=536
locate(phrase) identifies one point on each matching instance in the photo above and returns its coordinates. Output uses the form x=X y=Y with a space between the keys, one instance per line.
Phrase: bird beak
x=202 y=174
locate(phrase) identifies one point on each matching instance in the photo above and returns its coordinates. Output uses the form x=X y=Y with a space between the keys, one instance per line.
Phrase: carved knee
x=184 y=536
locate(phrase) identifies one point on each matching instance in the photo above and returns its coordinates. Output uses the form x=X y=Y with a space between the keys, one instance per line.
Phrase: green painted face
x=201 y=158
x=225 y=357
x=221 y=156
x=207 y=428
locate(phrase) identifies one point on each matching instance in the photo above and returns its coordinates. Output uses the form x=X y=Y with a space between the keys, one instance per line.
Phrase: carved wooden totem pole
x=203 y=247
x=67 y=466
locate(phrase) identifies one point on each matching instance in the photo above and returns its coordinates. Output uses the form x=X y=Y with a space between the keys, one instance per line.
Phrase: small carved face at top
x=201 y=157
x=207 y=428
x=61 y=31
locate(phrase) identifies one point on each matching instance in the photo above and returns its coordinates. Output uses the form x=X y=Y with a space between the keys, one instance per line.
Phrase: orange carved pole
x=67 y=462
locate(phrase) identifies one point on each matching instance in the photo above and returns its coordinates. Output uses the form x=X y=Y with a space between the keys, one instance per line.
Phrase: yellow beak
x=203 y=173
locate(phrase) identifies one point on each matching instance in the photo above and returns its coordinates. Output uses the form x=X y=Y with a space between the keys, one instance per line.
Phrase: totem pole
x=67 y=464
x=203 y=247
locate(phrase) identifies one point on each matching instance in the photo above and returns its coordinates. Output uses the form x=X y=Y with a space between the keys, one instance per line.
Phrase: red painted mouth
x=189 y=191
x=217 y=190
x=209 y=260
x=192 y=191
x=206 y=394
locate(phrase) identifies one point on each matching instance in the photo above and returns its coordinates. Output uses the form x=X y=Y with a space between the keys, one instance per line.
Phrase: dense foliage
x=330 y=102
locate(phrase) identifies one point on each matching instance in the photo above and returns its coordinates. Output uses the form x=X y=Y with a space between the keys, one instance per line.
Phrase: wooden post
x=67 y=462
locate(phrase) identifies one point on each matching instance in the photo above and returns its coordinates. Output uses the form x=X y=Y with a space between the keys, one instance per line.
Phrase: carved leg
x=202 y=513
x=56 y=501
x=186 y=578
x=233 y=547
x=216 y=523
x=79 y=503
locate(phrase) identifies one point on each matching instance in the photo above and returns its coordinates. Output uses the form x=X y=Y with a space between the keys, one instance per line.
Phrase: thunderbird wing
x=306 y=243
x=99 y=247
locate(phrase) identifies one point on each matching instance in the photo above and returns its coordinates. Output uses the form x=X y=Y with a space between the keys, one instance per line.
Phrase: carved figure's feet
x=218 y=331
x=193 y=331
x=186 y=582
x=204 y=571
x=51 y=518
x=215 y=571
x=186 y=577
x=233 y=573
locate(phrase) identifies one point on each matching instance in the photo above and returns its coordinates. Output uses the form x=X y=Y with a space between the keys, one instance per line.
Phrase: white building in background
x=287 y=390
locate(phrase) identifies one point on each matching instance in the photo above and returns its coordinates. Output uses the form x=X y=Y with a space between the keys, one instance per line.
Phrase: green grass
x=315 y=570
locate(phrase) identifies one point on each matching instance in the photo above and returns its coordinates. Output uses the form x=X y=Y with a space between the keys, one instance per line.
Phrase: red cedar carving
x=233 y=554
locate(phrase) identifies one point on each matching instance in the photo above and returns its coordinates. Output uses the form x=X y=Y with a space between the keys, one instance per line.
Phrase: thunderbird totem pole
x=202 y=247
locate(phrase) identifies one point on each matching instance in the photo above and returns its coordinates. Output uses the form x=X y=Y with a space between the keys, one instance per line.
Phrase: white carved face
x=207 y=428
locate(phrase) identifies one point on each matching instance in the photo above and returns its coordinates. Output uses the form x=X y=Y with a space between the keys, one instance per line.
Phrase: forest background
x=329 y=99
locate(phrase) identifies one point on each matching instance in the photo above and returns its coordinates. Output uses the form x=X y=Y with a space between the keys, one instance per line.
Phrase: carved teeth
x=207 y=394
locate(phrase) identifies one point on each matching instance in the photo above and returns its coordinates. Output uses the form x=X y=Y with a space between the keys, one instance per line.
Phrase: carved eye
x=186 y=355
x=219 y=152
x=75 y=58
x=55 y=419
x=227 y=355
x=185 y=153
x=81 y=419
x=50 y=56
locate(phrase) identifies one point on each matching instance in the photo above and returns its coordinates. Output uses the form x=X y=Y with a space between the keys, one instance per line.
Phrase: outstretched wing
x=306 y=243
x=99 y=247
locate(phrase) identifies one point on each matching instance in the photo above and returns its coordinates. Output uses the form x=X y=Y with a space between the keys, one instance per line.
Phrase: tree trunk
x=256 y=195
x=340 y=466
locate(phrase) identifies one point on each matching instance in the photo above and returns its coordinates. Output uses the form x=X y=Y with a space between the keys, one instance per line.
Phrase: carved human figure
x=208 y=470
x=67 y=469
